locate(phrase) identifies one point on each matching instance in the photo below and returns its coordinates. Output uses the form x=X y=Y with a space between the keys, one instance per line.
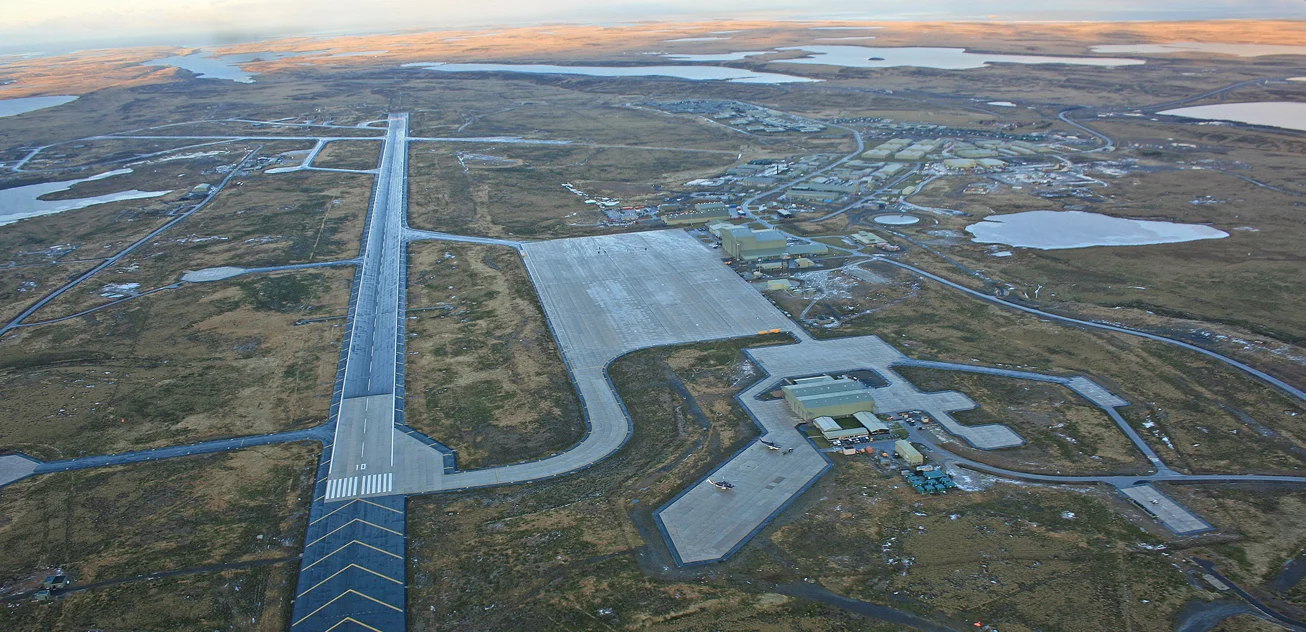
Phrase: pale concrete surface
x=869 y=352
x=1093 y=392
x=369 y=456
x=14 y=467
x=706 y=524
x=607 y=296
x=212 y=274
x=1168 y=512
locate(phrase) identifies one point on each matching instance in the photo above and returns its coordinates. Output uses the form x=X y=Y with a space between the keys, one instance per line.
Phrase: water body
x=1238 y=50
x=896 y=219
x=23 y=202
x=718 y=57
x=927 y=57
x=692 y=73
x=10 y=107
x=1283 y=114
x=1059 y=230
x=206 y=66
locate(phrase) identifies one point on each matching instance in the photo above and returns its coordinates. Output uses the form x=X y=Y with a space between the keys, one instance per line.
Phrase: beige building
x=745 y=243
x=825 y=396
x=907 y=452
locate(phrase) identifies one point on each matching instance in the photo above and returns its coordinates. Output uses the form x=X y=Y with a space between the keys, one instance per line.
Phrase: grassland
x=1009 y=556
x=349 y=155
x=1256 y=535
x=260 y=221
x=550 y=556
x=1196 y=413
x=1063 y=432
x=246 y=509
x=483 y=374
x=205 y=361
x=527 y=199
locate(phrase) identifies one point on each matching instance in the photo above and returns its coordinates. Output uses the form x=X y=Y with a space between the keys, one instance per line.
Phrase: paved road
x=1107 y=143
x=1288 y=389
x=1277 y=617
x=226 y=272
x=861 y=146
x=97 y=308
x=414 y=234
x=126 y=251
x=1083 y=386
x=320 y=434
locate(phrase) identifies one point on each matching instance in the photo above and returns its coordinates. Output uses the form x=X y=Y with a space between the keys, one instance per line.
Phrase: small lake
x=23 y=202
x=11 y=107
x=1059 y=230
x=227 y=67
x=1238 y=50
x=692 y=73
x=926 y=57
x=896 y=219
x=717 y=56
x=1283 y=114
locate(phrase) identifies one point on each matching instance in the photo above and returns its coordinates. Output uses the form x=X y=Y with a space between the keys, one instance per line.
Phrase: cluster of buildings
x=743 y=116
x=746 y=244
x=908 y=150
x=841 y=410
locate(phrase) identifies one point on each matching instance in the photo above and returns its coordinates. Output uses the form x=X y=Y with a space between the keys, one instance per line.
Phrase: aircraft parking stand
x=1166 y=511
x=607 y=296
x=706 y=524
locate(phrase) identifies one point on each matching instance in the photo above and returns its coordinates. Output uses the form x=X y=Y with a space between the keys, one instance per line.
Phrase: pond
x=1058 y=230
x=1283 y=114
x=896 y=219
x=927 y=57
x=11 y=107
x=23 y=202
x=693 y=73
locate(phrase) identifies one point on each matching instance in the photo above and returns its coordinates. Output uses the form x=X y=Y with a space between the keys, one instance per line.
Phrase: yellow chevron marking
x=349 y=523
x=354 y=621
x=346 y=545
x=333 y=600
x=351 y=565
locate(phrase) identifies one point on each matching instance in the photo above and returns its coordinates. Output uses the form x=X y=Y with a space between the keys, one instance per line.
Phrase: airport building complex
x=824 y=396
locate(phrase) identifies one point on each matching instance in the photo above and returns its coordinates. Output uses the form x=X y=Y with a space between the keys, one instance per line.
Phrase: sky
x=55 y=25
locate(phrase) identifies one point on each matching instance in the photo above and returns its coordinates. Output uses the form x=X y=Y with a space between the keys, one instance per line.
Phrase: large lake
x=927 y=57
x=1239 y=50
x=206 y=66
x=693 y=73
x=1284 y=114
x=1059 y=230
x=10 y=107
x=23 y=202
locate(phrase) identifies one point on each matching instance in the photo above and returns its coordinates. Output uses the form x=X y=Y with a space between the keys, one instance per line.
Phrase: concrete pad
x=1093 y=392
x=869 y=352
x=1169 y=513
x=212 y=274
x=706 y=524
x=607 y=296
x=14 y=467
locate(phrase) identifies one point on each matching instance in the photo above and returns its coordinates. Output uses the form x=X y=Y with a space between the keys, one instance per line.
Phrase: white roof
x=826 y=424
